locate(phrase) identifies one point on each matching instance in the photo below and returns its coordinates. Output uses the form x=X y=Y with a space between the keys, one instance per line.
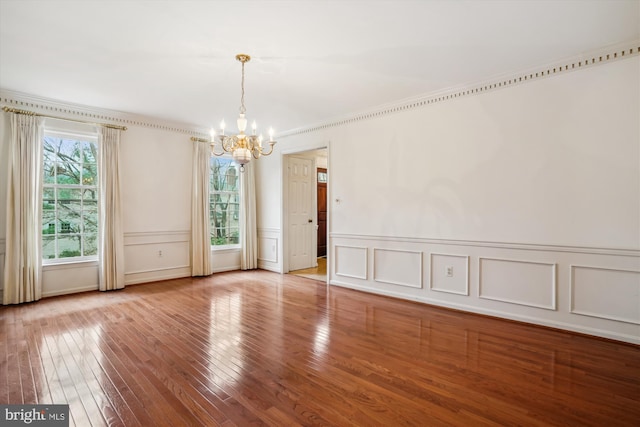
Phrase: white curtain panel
x=111 y=254
x=200 y=225
x=248 y=226
x=23 y=257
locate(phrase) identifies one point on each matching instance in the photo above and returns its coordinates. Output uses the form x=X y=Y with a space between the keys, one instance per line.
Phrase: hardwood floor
x=259 y=348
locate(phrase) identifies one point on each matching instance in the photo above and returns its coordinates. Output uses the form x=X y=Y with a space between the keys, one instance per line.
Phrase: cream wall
x=156 y=198
x=554 y=161
x=157 y=173
x=529 y=193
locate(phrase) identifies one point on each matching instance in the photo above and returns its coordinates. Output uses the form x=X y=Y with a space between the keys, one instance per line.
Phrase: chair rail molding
x=626 y=252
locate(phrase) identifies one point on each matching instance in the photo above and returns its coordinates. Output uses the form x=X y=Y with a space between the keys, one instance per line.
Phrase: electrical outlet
x=449 y=271
x=159 y=254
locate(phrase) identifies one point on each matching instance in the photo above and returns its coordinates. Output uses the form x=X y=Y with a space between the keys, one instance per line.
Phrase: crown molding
x=45 y=106
x=579 y=62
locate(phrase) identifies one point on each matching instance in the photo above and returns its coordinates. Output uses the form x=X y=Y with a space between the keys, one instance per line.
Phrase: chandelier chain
x=242 y=108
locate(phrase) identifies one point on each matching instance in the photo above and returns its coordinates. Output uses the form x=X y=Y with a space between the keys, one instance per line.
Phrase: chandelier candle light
x=241 y=146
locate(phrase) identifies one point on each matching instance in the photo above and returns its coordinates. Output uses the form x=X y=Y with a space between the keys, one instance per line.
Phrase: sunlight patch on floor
x=315 y=273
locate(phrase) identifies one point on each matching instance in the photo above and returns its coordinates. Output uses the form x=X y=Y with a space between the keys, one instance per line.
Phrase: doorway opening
x=305 y=214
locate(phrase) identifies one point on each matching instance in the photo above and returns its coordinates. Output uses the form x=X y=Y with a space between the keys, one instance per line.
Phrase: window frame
x=79 y=136
x=229 y=246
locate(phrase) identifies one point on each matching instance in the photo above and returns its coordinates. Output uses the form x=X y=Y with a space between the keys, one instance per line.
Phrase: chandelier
x=241 y=146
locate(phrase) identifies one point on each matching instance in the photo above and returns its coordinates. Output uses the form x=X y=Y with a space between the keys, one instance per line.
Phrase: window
x=69 y=197
x=224 y=202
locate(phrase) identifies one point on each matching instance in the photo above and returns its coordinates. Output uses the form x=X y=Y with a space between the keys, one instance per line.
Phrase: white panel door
x=301 y=229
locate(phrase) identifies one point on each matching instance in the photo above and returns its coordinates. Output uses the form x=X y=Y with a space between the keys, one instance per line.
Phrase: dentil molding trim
x=588 y=60
x=602 y=56
x=93 y=114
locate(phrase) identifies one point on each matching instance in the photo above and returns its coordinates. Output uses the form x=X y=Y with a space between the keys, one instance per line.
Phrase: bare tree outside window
x=70 y=198
x=224 y=201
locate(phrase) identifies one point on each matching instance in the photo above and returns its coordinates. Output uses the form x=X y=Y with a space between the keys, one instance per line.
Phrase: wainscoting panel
x=151 y=256
x=350 y=261
x=449 y=273
x=156 y=257
x=591 y=290
x=397 y=267
x=607 y=293
x=268 y=249
x=62 y=279
x=225 y=260
x=518 y=282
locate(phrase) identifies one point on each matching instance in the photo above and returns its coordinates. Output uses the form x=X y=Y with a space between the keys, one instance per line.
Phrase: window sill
x=58 y=264
x=226 y=248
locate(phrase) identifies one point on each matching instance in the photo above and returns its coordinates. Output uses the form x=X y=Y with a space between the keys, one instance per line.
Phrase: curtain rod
x=31 y=113
x=195 y=138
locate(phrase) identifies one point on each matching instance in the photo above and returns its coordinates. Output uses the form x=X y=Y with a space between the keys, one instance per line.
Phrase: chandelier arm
x=229 y=143
x=271 y=143
x=213 y=148
x=255 y=146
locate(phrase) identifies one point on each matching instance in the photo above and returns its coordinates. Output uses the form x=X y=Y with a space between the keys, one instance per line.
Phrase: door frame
x=284 y=225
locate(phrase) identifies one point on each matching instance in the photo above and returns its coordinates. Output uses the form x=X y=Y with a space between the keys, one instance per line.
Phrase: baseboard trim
x=149 y=277
x=70 y=291
x=273 y=269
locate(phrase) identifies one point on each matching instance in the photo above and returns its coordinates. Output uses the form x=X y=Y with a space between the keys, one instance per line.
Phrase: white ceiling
x=312 y=60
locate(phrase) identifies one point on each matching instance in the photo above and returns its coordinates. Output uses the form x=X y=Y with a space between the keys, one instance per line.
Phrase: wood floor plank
x=185 y=382
x=89 y=392
x=259 y=348
x=276 y=418
x=29 y=392
x=14 y=383
x=38 y=358
x=155 y=396
x=118 y=374
x=61 y=382
x=114 y=409
x=4 y=355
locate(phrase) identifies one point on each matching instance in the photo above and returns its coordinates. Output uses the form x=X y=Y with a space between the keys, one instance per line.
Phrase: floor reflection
x=225 y=344
x=71 y=368
x=253 y=348
x=321 y=337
